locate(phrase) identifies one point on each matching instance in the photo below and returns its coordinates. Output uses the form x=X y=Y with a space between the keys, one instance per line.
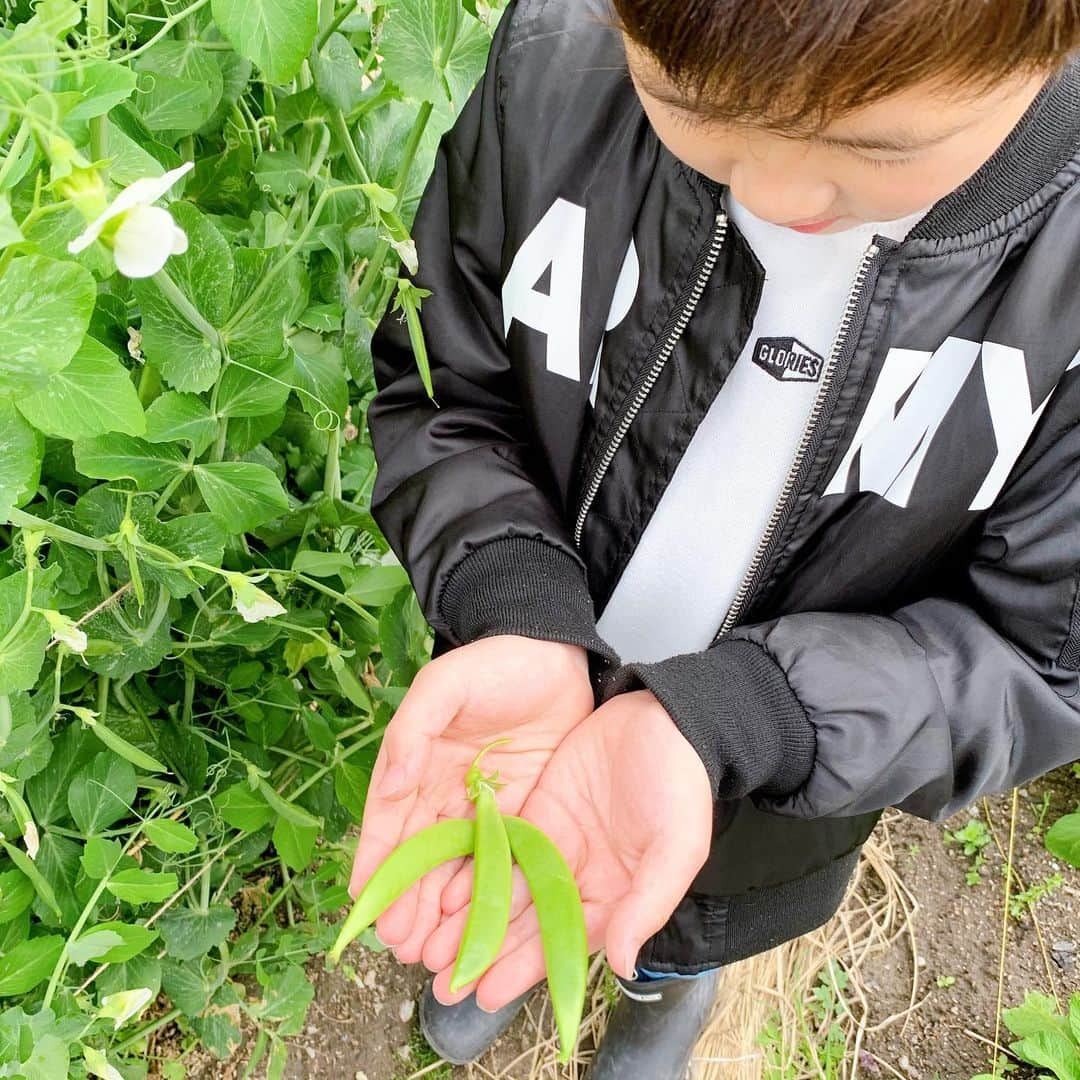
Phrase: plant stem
x=175 y=295
x=97 y=32
x=332 y=469
x=339 y=18
x=145 y=1032
x=18 y=144
x=56 y=532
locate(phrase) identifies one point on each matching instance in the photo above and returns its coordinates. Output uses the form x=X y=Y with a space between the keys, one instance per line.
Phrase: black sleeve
x=457 y=493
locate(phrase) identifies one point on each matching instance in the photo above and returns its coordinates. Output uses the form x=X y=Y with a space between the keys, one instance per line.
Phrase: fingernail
x=393 y=782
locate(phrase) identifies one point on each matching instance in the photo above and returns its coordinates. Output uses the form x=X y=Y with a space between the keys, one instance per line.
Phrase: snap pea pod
x=406 y=864
x=489 y=909
x=563 y=935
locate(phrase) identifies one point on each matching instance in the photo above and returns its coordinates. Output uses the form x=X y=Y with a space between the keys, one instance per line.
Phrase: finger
x=456 y=895
x=428 y=707
x=428 y=912
x=442 y=946
x=661 y=880
x=381 y=832
x=523 y=966
x=518 y=933
x=396 y=922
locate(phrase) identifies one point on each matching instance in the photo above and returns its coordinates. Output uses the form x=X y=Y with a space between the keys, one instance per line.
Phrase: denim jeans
x=645 y=975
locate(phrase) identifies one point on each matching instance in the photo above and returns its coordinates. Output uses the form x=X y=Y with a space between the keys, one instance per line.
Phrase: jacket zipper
x=675 y=331
x=832 y=379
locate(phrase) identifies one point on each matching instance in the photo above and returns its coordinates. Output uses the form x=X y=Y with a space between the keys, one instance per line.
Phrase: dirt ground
x=958 y=932
x=363 y=1026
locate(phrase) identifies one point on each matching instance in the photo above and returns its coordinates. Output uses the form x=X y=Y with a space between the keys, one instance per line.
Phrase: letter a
x=558 y=241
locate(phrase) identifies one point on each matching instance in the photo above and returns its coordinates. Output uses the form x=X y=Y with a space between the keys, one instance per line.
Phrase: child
x=749 y=501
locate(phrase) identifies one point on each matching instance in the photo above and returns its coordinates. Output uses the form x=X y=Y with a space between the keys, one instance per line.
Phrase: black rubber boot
x=461 y=1033
x=652 y=1032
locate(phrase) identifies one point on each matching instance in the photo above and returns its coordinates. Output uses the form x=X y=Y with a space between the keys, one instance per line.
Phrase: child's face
x=881 y=162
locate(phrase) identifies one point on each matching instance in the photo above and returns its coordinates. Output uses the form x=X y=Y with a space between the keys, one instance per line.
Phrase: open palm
x=529 y=690
x=627 y=801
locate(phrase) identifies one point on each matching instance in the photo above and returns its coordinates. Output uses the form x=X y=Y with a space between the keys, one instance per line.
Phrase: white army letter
x=558 y=241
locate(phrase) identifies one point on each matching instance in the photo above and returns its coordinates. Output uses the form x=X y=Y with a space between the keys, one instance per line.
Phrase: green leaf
x=21 y=450
x=29 y=963
x=139 y=886
x=286 y=1000
x=240 y=494
x=243 y=808
x=99 y=85
x=49 y=1058
x=189 y=934
x=45 y=308
x=1039 y=1013
x=120 y=457
x=47 y=791
x=42 y=887
x=295 y=843
x=336 y=68
x=204 y=273
x=396 y=637
x=377 y=585
x=1074 y=1017
x=416 y=57
x=320 y=374
x=91 y=396
x=111 y=943
x=179 y=87
x=1063 y=839
x=187 y=987
x=350 y=786
x=261 y=332
x=16 y=895
x=10 y=233
x=22 y=655
x=102 y=793
x=171 y=836
x=1052 y=1051
x=176 y=417
x=281 y=173
x=275 y=34
x=100 y=857
x=254 y=386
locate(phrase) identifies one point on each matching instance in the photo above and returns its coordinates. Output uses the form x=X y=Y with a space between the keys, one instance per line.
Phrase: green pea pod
x=562 y=925
x=406 y=864
x=489 y=910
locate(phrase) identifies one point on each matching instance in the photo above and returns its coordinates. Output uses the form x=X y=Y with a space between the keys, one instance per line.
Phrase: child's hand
x=507 y=685
x=627 y=800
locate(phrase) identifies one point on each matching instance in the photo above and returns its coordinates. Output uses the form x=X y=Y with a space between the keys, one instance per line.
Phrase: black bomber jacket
x=908 y=633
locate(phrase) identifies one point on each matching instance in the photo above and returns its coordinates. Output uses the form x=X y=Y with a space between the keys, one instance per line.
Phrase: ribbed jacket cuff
x=733 y=704
x=519 y=585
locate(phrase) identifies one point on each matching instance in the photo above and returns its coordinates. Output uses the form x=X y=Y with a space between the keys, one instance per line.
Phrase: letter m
x=892 y=439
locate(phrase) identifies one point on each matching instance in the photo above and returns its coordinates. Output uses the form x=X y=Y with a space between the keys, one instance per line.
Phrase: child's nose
x=782 y=191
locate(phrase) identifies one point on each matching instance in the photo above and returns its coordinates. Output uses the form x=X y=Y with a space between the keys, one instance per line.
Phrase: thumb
x=661 y=880
x=425 y=712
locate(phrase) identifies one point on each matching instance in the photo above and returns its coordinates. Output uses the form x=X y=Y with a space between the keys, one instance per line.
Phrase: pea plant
x=204 y=212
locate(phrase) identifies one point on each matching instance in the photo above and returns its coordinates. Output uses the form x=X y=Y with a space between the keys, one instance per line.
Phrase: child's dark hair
x=797 y=64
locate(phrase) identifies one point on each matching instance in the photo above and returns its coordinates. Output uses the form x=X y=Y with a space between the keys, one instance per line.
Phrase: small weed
x=1037 y=828
x=945 y=981
x=914 y=848
x=1022 y=902
x=821 y=1045
x=421 y=1055
x=973 y=838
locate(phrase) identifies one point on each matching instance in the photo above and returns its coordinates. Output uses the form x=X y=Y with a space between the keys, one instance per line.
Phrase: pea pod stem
x=489 y=909
x=406 y=864
x=563 y=934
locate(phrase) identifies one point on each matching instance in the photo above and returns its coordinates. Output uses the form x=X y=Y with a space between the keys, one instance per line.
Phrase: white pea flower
x=253 y=604
x=406 y=250
x=65 y=631
x=31 y=838
x=122 y=1006
x=142 y=235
